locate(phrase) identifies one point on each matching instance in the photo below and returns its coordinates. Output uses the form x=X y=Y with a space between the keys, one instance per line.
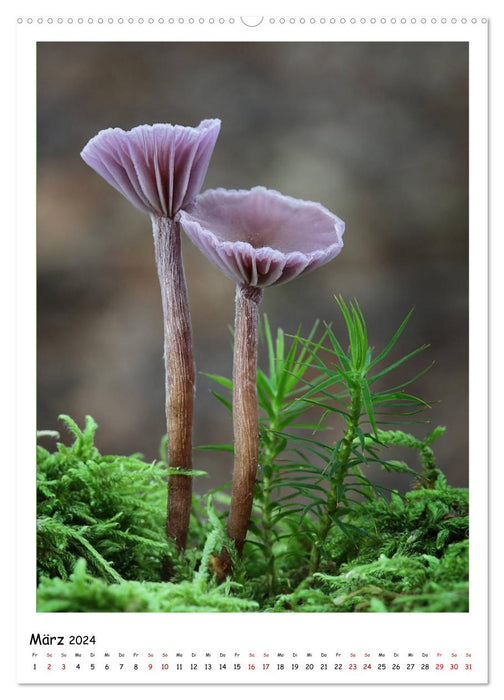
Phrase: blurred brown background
x=377 y=132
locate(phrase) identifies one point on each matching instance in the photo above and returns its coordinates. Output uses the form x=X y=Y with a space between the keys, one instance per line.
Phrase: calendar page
x=257 y=430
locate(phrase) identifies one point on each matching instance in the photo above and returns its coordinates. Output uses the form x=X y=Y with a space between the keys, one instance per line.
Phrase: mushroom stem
x=245 y=420
x=179 y=373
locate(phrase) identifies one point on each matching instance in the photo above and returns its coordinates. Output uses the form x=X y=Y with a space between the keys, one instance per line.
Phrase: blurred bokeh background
x=377 y=132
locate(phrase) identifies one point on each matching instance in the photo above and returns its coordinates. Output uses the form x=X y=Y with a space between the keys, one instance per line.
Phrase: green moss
x=425 y=521
x=101 y=540
x=108 y=509
x=414 y=558
x=420 y=583
x=85 y=593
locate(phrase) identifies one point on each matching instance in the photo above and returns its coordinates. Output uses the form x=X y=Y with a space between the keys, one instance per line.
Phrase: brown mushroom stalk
x=245 y=416
x=179 y=374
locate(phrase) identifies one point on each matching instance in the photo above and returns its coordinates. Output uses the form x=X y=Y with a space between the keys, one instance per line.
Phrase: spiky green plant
x=307 y=485
x=346 y=384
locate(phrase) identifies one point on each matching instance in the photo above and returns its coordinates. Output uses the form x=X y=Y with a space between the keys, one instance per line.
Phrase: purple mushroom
x=160 y=169
x=259 y=238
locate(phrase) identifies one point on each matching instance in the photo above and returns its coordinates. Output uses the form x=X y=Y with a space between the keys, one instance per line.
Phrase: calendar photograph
x=252 y=327
x=251 y=350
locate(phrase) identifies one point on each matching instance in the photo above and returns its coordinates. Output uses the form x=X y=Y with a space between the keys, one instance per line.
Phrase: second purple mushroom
x=259 y=238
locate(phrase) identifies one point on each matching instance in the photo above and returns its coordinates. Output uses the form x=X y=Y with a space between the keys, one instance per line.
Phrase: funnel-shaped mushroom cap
x=159 y=168
x=260 y=237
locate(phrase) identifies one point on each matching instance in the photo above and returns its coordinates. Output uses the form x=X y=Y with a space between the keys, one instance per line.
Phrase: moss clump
x=400 y=584
x=85 y=593
x=108 y=509
x=424 y=521
x=412 y=556
x=101 y=541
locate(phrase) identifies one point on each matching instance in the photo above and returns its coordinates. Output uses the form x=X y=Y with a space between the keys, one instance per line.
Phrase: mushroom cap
x=260 y=237
x=159 y=168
